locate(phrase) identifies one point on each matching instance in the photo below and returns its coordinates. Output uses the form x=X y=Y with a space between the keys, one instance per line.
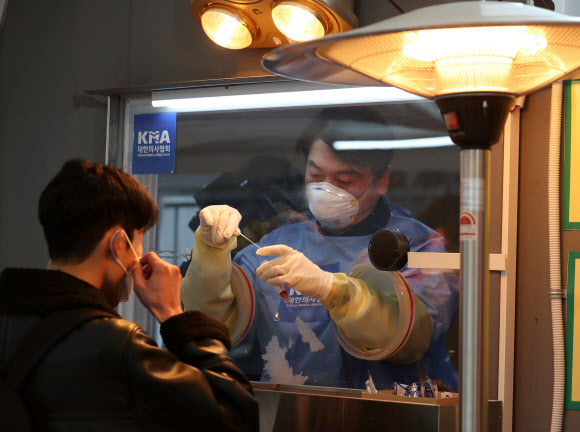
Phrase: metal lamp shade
x=467 y=47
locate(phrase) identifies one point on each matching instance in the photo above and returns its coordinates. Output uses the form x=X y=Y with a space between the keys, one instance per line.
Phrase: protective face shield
x=333 y=207
x=128 y=288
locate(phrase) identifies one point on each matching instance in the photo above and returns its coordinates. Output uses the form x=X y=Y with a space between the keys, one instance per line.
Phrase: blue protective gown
x=274 y=319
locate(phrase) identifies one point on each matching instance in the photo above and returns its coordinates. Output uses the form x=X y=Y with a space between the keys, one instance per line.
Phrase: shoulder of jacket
x=118 y=336
x=114 y=327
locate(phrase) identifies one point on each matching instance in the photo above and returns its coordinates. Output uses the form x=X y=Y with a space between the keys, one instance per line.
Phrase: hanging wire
x=396 y=6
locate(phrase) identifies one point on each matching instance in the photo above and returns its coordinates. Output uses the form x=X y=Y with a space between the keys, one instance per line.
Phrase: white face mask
x=128 y=289
x=333 y=207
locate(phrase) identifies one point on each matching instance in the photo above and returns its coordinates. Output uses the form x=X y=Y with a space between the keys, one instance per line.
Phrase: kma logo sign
x=154 y=143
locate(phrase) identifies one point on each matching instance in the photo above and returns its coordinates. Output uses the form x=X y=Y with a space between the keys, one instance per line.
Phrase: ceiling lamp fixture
x=298 y=22
x=227 y=28
x=267 y=96
x=473 y=58
x=238 y=24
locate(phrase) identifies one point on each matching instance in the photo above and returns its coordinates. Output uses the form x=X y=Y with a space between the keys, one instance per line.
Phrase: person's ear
x=384 y=181
x=116 y=242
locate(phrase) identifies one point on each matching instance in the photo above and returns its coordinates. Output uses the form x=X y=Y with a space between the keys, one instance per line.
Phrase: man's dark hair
x=353 y=123
x=83 y=201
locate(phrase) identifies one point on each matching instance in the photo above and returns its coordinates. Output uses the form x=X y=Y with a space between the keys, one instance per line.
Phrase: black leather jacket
x=109 y=375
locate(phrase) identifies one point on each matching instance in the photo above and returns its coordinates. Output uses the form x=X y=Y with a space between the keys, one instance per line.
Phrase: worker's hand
x=158 y=286
x=292 y=268
x=218 y=224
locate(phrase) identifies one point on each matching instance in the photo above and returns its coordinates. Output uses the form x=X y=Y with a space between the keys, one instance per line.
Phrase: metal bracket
x=558 y=293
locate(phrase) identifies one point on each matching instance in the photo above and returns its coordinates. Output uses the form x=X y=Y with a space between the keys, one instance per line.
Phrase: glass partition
x=319 y=180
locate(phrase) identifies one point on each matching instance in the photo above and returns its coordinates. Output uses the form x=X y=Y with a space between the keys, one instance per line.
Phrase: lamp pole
x=474 y=122
x=474 y=294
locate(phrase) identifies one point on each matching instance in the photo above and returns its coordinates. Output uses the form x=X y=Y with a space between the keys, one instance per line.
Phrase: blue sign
x=154 y=143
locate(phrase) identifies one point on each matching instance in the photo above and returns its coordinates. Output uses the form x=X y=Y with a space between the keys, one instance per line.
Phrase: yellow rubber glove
x=293 y=269
x=206 y=285
x=357 y=308
x=353 y=305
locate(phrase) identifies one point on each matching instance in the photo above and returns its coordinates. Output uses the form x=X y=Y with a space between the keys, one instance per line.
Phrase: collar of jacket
x=41 y=292
x=377 y=220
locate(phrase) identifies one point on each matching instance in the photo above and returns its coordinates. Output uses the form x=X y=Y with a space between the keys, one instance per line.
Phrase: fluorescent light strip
x=440 y=141
x=289 y=99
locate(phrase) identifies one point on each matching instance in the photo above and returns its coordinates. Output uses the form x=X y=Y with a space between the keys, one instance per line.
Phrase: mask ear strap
x=368 y=189
x=113 y=251
x=130 y=244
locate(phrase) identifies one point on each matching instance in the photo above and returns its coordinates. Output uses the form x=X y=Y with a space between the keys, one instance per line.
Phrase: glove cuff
x=325 y=287
x=229 y=246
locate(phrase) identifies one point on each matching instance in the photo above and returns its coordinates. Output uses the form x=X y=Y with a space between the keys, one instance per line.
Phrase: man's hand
x=292 y=268
x=218 y=224
x=158 y=285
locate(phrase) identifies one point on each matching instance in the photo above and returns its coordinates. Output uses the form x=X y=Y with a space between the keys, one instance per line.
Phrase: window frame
x=122 y=108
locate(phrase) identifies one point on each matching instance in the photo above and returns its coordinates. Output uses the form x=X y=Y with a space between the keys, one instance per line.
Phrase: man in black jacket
x=108 y=374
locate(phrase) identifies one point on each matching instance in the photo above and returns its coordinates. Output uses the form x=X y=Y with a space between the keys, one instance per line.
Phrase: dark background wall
x=52 y=52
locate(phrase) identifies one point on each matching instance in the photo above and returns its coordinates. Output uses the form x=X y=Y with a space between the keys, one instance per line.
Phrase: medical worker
x=293 y=342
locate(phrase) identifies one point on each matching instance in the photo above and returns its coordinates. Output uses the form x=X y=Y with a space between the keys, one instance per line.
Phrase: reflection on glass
x=312 y=213
x=442 y=215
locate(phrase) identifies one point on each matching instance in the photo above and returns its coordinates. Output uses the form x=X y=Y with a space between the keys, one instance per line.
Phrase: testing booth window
x=320 y=181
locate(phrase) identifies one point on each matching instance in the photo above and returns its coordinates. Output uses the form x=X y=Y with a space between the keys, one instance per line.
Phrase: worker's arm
x=206 y=285
x=368 y=318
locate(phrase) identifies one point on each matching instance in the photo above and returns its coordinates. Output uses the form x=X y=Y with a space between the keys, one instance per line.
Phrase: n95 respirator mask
x=332 y=207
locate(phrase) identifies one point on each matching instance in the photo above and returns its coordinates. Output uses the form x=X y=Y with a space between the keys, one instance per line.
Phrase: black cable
x=343 y=355
x=396 y=6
